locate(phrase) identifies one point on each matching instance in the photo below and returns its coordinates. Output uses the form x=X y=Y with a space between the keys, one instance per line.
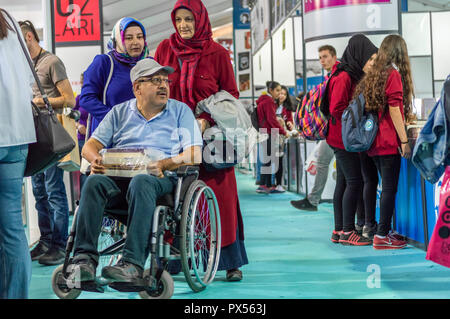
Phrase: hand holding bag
x=53 y=142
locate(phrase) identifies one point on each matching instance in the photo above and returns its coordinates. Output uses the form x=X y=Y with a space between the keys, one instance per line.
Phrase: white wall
x=283 y=52
x=441 y=44
x=262 y=65
x=76 y=60
x=416 y=32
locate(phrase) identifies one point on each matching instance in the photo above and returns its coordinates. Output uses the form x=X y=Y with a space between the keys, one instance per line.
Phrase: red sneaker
x=388 y=243
x=397 y=236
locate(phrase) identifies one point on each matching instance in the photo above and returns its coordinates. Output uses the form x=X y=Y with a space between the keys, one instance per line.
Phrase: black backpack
x=254 y=118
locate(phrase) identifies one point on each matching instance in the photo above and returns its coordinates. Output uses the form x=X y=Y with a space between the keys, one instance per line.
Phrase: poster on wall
x=77 y=22
x=242 y=47
x=260 y=26
x=336 y=18
x=241 y=14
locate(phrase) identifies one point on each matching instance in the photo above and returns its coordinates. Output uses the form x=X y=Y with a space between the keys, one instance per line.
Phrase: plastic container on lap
x=128 y=162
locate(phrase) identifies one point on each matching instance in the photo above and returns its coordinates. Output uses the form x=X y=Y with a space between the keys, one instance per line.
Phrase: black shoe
x=234 y=275
x=369 y=232
x=38 y=251
x=303 y=204
x=82 y=270
x=54 y=256
x=359 y=229
x=123 y=271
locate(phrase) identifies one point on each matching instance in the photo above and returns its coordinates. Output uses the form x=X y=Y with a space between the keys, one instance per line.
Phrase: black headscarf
x=358 y=51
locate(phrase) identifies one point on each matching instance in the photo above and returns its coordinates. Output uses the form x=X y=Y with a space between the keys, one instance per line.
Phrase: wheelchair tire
x=200 y=236
x=166 y=287
x=63 y=292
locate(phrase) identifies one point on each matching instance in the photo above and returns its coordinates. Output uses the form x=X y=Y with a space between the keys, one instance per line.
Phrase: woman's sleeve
x=94 y=83
x=340 y=95
x=271 y=118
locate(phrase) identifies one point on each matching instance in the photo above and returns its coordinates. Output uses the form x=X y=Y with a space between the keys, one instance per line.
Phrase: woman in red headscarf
x=203 y=68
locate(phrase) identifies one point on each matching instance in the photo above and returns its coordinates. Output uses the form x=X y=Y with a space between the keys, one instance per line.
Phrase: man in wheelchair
x=151 y=120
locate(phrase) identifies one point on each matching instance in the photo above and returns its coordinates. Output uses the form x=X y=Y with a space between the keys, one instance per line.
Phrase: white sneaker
x=278 y=189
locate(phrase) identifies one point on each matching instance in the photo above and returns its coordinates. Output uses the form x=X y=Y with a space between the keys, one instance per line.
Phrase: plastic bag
x=128 y=162
x=311 y=161
x=439 y=247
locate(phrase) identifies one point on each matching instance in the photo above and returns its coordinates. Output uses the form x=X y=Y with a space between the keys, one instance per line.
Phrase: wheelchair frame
x=157 y=282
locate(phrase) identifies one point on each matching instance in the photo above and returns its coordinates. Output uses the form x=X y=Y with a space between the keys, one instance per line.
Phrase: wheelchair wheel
x=165 y=287
x=63 y=292
x=200 y=236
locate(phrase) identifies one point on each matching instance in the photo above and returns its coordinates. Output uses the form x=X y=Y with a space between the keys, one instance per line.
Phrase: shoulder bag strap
x=30 y=63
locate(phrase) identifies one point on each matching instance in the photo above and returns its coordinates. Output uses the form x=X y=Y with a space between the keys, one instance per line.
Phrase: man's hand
x=156 y=168
x=97 y=166
x=39 y=101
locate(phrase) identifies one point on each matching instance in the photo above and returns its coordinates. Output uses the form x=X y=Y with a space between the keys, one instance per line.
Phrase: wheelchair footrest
x=128 y=286
x=92 y=286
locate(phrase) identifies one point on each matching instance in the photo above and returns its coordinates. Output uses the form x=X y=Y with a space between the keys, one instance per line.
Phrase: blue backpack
x=359 y=127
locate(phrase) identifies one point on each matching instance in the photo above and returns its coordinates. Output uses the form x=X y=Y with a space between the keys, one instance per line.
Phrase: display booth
x=312 y=24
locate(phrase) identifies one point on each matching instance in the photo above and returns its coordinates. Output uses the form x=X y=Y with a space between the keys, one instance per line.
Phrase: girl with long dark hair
x=388 y=90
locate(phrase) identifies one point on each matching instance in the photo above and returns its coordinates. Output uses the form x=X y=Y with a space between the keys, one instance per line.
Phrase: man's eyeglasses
x=156 y=81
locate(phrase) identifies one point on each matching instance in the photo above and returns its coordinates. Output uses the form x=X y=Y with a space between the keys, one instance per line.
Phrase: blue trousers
x=15 y=260
x=52 y=206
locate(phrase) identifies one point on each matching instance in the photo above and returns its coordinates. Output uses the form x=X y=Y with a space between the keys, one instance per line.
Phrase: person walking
x=48 y=187
x=203 y=68
x=16 y=132
x=126 y=46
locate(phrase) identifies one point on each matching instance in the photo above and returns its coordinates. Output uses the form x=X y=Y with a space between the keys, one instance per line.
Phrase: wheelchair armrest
x=183 y=171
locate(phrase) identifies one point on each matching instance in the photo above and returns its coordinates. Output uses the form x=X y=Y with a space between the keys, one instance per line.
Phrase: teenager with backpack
x=267 y=105
x=356 y=60
x=388 y=90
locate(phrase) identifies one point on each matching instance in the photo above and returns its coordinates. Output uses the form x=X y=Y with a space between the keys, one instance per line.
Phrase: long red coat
x=214 y=73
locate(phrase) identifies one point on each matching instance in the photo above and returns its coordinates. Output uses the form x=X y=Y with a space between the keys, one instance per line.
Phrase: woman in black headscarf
x=356 y=60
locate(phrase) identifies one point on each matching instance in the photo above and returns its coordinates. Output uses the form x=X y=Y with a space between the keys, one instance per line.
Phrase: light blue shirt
x=171 y=131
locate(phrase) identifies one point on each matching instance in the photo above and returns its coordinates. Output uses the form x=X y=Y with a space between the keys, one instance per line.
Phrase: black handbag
x=52 y=140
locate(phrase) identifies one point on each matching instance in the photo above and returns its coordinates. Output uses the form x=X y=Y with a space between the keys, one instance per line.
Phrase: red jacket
x=341 y=88
x=214 y=73
x=387 y=141
x=266 y=108
x=287 y=115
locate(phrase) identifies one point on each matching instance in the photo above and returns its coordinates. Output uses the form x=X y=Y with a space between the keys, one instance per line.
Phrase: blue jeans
x=52 y=206
x=15 y=260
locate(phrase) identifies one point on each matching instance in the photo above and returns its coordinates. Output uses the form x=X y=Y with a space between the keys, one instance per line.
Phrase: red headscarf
x=189 y=51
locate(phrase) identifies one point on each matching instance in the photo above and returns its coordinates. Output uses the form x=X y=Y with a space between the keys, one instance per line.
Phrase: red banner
x=77 y=21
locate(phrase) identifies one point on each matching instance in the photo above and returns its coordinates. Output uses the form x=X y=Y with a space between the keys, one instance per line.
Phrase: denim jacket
x=431 y=152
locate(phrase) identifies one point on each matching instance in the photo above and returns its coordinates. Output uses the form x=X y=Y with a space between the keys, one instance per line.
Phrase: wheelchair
x=186 y=229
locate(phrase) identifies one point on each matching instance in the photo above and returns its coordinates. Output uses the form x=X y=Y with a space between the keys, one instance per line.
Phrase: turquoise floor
x=290 y=256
